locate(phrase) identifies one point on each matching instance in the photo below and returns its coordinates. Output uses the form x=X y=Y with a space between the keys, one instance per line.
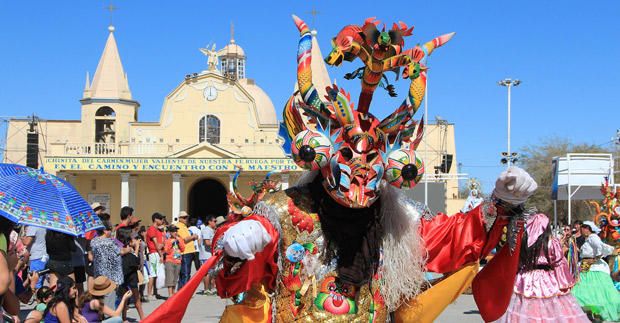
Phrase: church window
x=240 y=69
x=105 y=132
x=262 y=141
x=232 y=140
x=247 y=141
x=224 y=63
x=209 y=129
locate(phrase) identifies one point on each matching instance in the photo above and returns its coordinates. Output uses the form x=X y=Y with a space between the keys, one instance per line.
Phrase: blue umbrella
x=34 y=197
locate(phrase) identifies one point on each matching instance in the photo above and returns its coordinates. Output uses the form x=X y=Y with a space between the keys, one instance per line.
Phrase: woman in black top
x=131 y=265
x=59 y=248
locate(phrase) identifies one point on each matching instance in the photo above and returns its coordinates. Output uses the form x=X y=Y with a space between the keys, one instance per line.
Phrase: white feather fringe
x=404 y=255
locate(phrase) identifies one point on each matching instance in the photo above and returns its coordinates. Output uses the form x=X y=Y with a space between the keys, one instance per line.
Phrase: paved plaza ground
x=207 y=309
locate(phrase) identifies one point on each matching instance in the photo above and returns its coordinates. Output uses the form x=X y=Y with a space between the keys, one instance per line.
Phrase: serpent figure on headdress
x=345 y=244
x=381 y=51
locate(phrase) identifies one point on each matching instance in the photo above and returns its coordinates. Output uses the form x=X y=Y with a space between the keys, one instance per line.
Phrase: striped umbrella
x=34 y=197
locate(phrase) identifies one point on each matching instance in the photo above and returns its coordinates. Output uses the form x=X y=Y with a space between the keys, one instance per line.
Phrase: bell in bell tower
x=232 y=58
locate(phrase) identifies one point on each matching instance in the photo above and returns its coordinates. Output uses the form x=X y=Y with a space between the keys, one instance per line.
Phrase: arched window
x=209 y=129
x=105 y=112
x=104 y=125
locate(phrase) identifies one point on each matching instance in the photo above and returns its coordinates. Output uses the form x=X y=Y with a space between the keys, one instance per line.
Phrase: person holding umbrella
x=33 y=197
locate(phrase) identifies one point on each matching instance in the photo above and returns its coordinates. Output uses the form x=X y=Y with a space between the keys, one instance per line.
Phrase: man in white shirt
x=206 y=235
x=34 y=240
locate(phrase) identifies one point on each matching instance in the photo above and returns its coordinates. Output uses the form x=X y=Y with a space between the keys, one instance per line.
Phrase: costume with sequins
x=346 y=244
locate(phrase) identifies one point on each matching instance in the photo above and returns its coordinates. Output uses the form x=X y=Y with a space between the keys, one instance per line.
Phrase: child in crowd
x=173 y=248
x=44 y=295
x=142 y=255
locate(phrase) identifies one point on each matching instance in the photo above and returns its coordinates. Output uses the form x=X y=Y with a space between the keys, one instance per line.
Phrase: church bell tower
x=107 y=104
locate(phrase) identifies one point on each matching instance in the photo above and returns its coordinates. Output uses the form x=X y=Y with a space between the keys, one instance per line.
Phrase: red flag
x=493 y=286
x=173 y=309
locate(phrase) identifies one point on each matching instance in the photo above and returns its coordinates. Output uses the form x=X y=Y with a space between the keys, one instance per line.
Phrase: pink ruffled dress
x=543 y=295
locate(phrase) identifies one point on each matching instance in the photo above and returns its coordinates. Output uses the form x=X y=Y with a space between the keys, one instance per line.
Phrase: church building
x=212 y=122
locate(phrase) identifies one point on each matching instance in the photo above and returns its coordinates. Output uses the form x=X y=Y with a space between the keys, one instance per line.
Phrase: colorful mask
x=351 y=148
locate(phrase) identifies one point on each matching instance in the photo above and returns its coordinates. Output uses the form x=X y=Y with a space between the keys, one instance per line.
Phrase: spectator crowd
x=97 y=276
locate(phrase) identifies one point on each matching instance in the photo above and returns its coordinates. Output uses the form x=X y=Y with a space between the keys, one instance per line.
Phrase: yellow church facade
x=211 y=123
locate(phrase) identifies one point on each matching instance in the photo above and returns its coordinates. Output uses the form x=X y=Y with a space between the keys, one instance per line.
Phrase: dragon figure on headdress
x=382 y=51
x=345 y=244
x=242 y=206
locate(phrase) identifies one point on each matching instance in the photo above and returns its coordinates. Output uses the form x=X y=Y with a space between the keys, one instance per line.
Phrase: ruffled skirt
x=561 y=309
x=540 y=283
x=596 y=292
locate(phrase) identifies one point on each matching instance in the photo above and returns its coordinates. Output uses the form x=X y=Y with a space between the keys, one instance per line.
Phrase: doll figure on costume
x=542 y=287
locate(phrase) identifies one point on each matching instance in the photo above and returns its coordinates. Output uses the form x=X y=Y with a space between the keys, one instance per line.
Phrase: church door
x=207 y=197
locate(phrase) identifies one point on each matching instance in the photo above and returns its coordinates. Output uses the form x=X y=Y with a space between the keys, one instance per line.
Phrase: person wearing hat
x=190 y=250
x=173 y=254
x=595 y=290
x=98 y=209
x=92 y=305
x=219 y=221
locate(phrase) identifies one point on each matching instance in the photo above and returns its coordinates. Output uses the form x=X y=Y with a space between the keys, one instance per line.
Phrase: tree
x=536 y=160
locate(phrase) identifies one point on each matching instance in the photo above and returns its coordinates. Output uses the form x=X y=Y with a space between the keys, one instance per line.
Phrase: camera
x=43 y=272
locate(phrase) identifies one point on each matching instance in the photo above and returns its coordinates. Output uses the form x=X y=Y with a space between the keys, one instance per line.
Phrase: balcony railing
x=120 y=149
x=92 y=149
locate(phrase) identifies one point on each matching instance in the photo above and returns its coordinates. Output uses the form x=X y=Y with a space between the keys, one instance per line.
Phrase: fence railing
x=122 y=149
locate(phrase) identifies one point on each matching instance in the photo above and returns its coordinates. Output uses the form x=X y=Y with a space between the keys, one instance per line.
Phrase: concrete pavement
x=207 y=309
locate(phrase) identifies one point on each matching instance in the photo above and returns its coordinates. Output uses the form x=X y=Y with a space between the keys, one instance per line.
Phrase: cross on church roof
x=111 y=8
x=313 y=13
x=232 y=32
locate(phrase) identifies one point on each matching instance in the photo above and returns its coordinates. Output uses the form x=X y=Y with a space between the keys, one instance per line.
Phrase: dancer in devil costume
x=345 y=245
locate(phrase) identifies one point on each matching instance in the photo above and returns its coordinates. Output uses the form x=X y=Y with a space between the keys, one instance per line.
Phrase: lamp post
x=509 y=157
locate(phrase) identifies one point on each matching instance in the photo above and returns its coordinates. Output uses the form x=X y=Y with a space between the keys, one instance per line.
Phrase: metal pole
x=568 y=189
x=555 y=214
x=509 y=154
x=425 y=138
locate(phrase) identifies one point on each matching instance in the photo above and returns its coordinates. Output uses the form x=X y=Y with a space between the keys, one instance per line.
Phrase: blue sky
x=565 y=52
